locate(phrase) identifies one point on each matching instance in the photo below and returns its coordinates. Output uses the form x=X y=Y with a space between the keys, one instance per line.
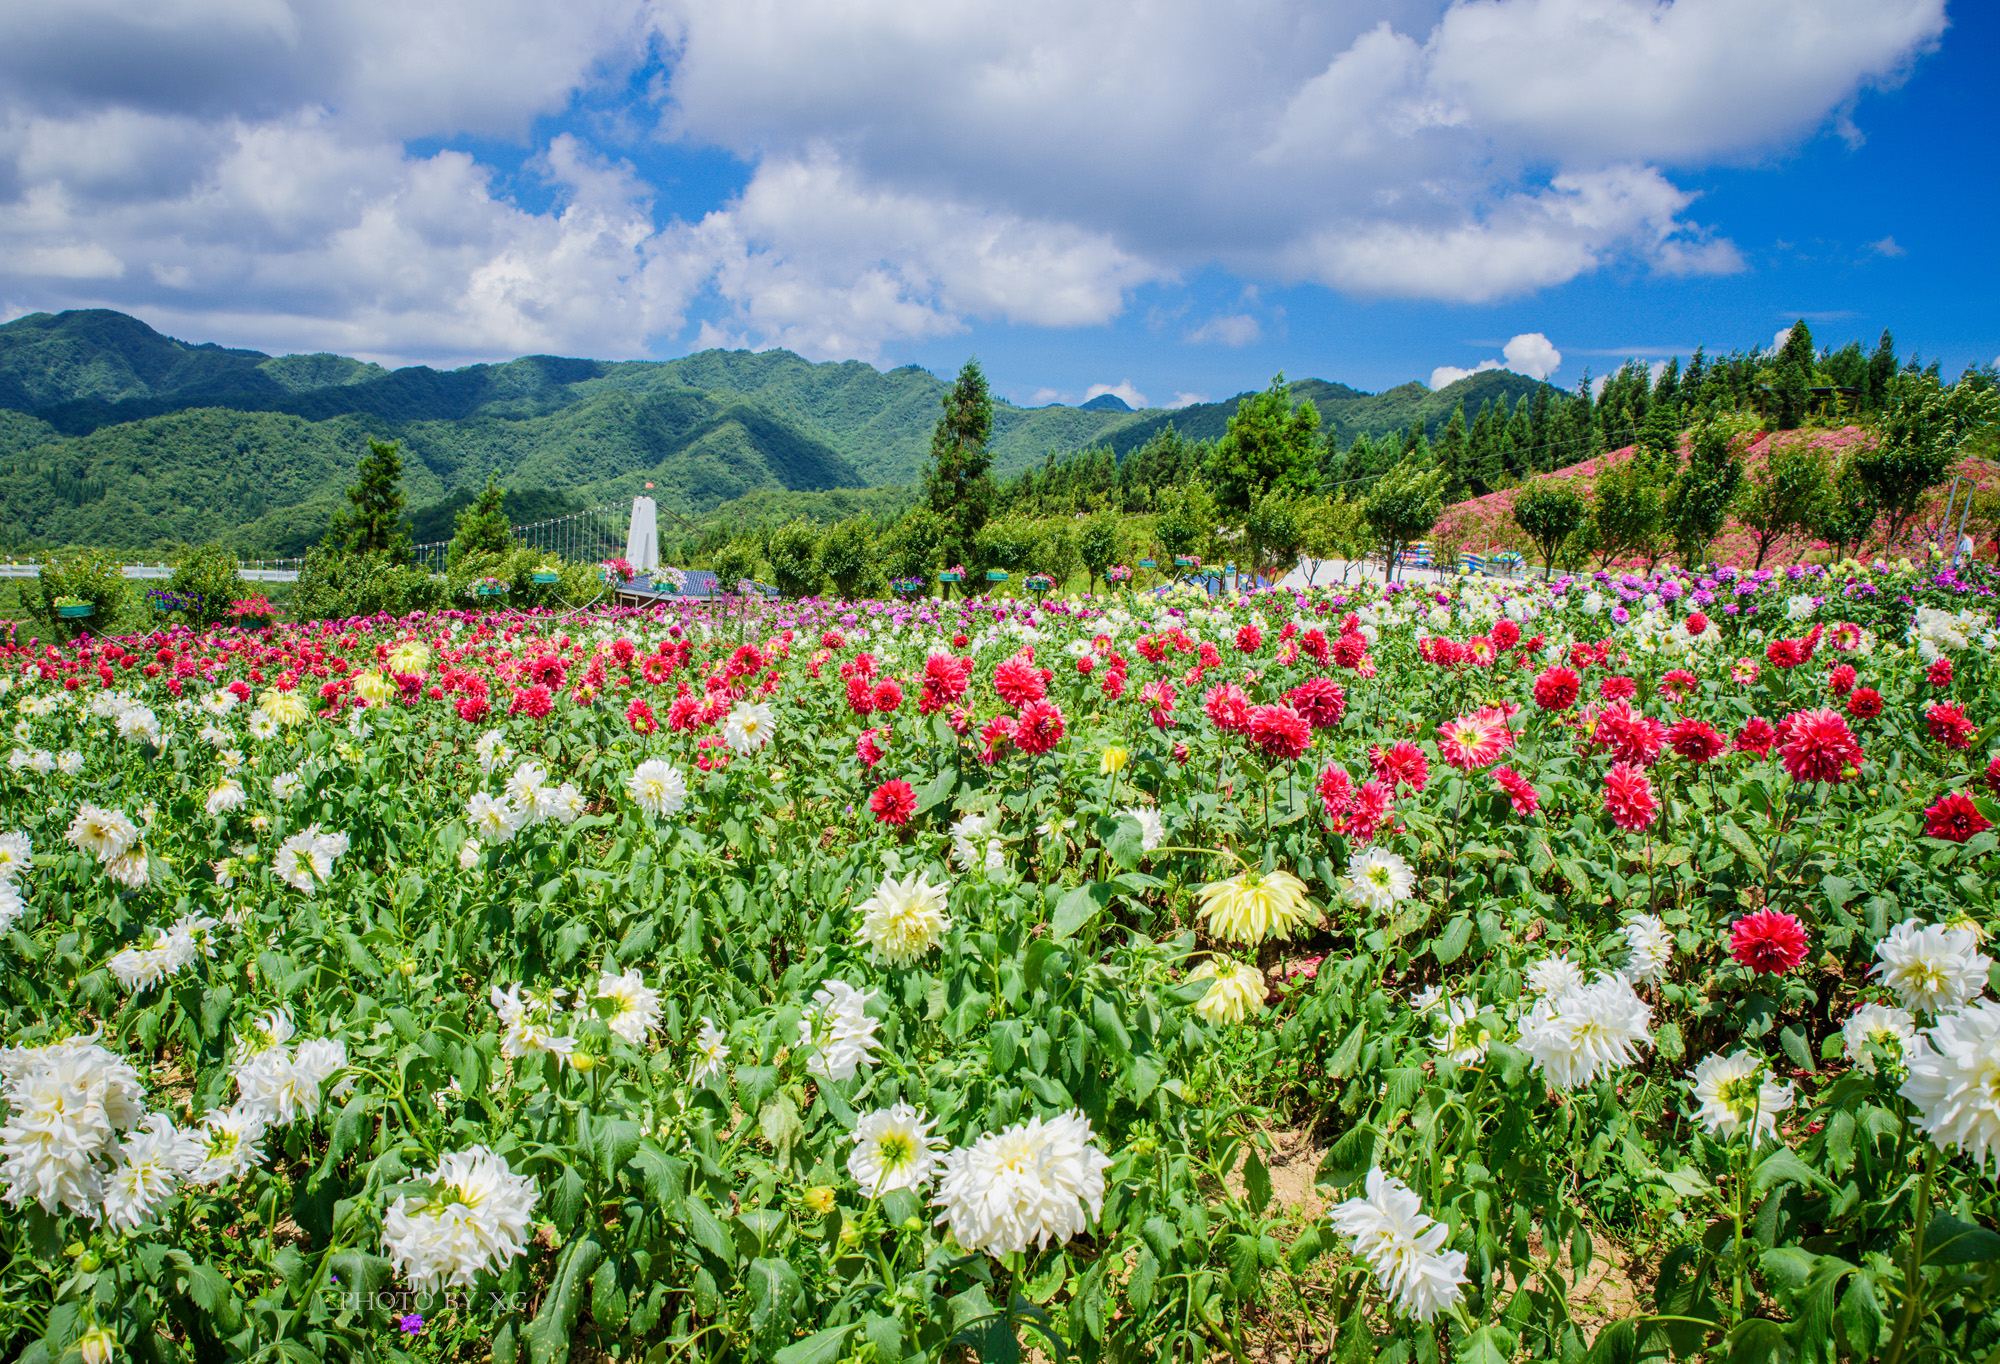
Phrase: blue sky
x=1173 y=201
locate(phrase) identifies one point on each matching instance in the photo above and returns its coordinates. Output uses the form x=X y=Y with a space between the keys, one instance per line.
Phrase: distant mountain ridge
x=112 y=433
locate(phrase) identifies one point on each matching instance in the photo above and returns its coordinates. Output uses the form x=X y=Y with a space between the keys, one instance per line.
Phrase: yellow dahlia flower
x=1251 y=907
x=1238 y=991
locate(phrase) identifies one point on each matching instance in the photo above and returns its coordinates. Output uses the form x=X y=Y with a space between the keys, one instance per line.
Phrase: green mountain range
x=113 y=434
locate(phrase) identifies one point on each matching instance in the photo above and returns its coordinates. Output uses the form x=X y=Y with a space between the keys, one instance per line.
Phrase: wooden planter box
x=76 y=612
x=544 y=579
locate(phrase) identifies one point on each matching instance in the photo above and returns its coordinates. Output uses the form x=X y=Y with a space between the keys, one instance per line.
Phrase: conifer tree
x=1270 y=446
x=375 y=525
x=482 y=526
x=957 y=485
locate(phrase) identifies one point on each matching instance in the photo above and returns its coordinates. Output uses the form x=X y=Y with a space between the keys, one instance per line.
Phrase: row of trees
x=1654 y=503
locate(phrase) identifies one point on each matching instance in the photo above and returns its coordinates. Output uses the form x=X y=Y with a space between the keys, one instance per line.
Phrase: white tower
x=642 y=542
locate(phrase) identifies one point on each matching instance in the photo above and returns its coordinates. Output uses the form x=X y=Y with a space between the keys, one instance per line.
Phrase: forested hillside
x=113 y=434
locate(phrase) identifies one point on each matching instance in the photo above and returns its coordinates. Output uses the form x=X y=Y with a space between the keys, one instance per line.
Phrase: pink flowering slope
x=1487 y=523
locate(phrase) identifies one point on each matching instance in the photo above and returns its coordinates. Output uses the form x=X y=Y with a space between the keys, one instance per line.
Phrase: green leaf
x=937 y=791
x=1794 y=1043
x=822 y=1347
x=1256 y=1183
x=1487 y=1345
x=1145 y=1273
x=775 y=1294
x=1450 y=945
x=1078 y=908
x=1349 y=1158
x=1948 y=1241
x=1348 y=1053
x=549 y=1333
x=707 y=1232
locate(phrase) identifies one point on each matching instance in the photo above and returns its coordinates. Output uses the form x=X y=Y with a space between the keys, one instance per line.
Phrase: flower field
x=866 y=981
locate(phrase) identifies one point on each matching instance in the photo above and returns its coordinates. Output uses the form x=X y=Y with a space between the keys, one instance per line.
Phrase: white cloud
x=1237 y=329
x=1123 y=390
x=244 y=167
x=1887 y=247
x=1186 y=400
x=1530 y=353
x=1444 y=376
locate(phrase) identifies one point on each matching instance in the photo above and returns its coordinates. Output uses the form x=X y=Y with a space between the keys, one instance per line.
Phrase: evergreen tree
x=482 y=526
x=1270 y=445
x=1453 y=451
x=957 y=485
x=375 y=524
x=1696 y=375
x=1881 y=368
x=1659 y=440
x=1667 y=388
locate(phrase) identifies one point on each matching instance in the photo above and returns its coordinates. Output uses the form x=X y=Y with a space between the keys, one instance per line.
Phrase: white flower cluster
x=475 y=1218
x=67 y=1103
x=491 y=751
x=305 y=860
x=1584 y=1031
x=837 y=1032
x=893 y=1149
x=528 y=798
x=1935 y=631
x=528 y=1022
x=1036 y=1182
x=1377 y=880
x=164 y=954
x=634 y=1008
x=1890 y=1029
x=749 y=726
x=283 y=1086
x=17 y=855
x=1954 y=1082
x=113 y=839
x=975 y=847
x=1649 y=949
x=1404 y=1248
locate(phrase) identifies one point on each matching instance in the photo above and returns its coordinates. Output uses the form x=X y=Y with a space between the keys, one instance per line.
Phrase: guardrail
x=161 y=571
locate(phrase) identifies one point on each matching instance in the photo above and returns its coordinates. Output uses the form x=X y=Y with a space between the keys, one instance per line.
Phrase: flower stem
x=1913 y=1271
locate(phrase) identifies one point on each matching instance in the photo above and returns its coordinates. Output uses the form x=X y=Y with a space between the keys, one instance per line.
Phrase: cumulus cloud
x=1237 y=329
x=268 y=169
x=1887 y=247
x=1122 y=390
x=1530 y=353
x=1186 y=400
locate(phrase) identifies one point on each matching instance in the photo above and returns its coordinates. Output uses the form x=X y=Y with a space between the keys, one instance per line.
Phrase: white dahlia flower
x=1888 y=1028
x=469 y=853
x=104 y=834
x=1954 y=1082
x=1649 y=948
x=893 y=1149
x=1238 y=990
x=711 y=1046
x=837 y=1032
x=1586 y=1032
x=305 y=860
x=658 y=788
x=1930 y=967
x=228 y=795
x=16 y=855
x=1404 y=1248
x=66 y=1105
x=635 y=1008
x=904 y=919
x=12 y=906
x=1152 y=828
x=748 y=727
x=1556 y=975
x=230 y=1144
x=475 y=1219
x=494 y=818
x=149 y=1166
x=1037 y=1182
x=1377 y=880
x=491 y=751
x=1459 y=1033
x=1732 y=1092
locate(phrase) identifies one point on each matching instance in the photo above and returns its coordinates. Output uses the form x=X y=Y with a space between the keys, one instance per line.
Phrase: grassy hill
x=113 y=434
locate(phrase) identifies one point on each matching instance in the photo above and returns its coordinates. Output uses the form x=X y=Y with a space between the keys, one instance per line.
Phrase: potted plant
x=996 y=575
x=1120 y=573
x=954 y=574
x=545 y=574
x=1039 y=582
x=906 y=587
x=617 y=572
x=73 y=608
x=489 y=587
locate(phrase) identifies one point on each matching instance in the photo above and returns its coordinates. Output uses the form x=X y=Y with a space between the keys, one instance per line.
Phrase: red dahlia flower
x=1993 y=776
x=1472 y=741
x=1617 y=689
x=1519 y=789
x=888 y=694
x=1019 y=681
x=1321 y=700
x=1631 y=737
x=1818 y=746
x=1841 y=680
x=1249 y=639
x=1696 y=740
x=1864 y=703
x=1350 y=650
x=1401 y=764
x=1785 y=653
x=1279 y=732
x=1505 y=634
x=1228 y=708
x=1768 y=942
x=1939 y=673
x=894 y=801
x=1955 y=818
x=1756 y=736
x=640 y=717
x=1557 y=688
x=1947 y=723
x=1628 y=796
x=1040 y=727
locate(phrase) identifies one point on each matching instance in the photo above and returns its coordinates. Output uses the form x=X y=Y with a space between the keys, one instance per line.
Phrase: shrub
x=207 y=580
x=89 y=575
